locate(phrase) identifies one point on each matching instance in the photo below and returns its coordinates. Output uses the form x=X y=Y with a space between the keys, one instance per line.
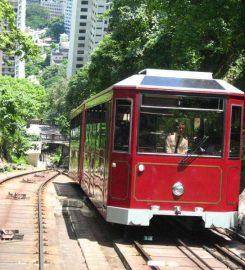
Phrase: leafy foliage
x=34 y=65
x=185 y=35
x=78 y=89
x=181 y=34
x=20 y=101
x=53 y=78
x=37 y=16
x=56 y=27
x=12 y=40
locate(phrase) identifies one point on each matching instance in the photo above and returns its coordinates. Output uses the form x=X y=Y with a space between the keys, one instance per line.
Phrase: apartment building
x=55 y=7
x=68 y=16
x=59 y=54
x=30 y=2
x=15 y=67
x=88 y=27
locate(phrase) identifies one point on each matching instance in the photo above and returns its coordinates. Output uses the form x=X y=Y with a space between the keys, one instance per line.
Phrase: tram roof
x=186 y=81
x=167 y=80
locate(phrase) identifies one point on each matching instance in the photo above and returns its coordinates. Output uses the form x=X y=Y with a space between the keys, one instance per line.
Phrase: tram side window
x=122 y=125
x=96 y=139
x=235 y=133
x=75 y=143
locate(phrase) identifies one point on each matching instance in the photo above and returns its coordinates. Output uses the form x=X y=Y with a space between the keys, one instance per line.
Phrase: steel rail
x=220 y=258
x=19 y=175
x=40 y=222
x=197 y=256
x=231 y=255
x=235 y=234
x=144 y=254
x=231 y=233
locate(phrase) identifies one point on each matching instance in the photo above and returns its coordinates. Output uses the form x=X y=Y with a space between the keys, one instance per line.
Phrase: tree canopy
x=37 y=16
x=20 y=101
x=12 y=40
x=185 y=35
x=53 y=78
x=56 y=27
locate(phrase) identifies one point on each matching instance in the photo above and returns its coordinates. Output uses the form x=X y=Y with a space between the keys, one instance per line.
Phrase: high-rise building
x=12 y=65
x=88 y=27
x=67 y=16
x=55 y=7
x=30 y=2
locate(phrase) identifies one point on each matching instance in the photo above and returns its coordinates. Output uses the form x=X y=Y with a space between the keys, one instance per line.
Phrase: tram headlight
x=178 y=189
x=141 y=167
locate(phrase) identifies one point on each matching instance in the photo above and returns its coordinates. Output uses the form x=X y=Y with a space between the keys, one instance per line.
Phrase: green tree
x=53 y=78
x=34 y=66
x=183 y=35
x=50 y=75
x=206 y=36
x=78 y=89
x=190 y=35
x=56 y=27
x=20 y=101
x=12 y=40
x=37 y=16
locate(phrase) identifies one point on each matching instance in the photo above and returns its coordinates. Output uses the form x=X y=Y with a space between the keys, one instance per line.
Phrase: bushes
x=20 y=101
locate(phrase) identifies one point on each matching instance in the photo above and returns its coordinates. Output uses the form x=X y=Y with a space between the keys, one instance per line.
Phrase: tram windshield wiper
x=198 y=146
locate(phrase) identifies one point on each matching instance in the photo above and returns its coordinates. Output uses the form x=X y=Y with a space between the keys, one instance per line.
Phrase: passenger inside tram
x=176 y=142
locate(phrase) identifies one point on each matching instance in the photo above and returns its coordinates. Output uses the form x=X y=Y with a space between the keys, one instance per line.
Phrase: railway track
x=32 y=235
x=176 y=253
x=41 y=220
x=21 y=220
x=180 y=256
x=29 y=236
x=231 y=233
x=164 y=248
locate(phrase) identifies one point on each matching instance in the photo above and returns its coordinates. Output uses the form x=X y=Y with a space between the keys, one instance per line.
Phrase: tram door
x=121 y=150
x=233 y=164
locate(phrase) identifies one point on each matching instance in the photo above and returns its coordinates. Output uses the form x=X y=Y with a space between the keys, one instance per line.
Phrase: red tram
x=120 y=149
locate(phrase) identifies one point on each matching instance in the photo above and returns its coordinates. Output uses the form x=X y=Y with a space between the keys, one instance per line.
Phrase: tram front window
x=161 y=115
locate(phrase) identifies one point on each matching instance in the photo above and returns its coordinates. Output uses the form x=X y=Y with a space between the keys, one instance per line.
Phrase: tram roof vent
x=177 y=73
